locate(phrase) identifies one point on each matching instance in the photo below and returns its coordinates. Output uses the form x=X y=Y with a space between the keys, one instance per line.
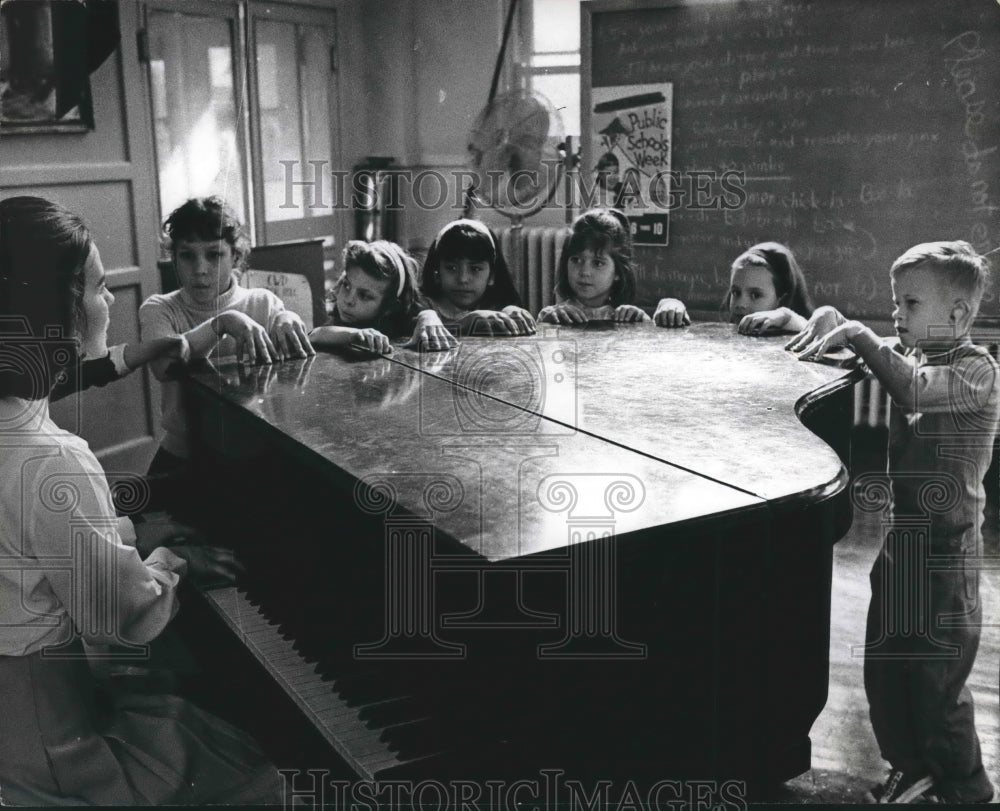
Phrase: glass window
x=294 y=126
x=553 y=64
x=239 y=90
x=556 y=26
x=195 y=117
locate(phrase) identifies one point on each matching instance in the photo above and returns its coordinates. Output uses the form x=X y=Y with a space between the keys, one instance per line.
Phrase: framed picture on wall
x=47 y=53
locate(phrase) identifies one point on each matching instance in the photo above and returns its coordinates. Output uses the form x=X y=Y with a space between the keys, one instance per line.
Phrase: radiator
x=532 y=255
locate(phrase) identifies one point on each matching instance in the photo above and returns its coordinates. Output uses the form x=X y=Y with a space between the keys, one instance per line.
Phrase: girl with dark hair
x=377 y=299
x=767 y=292
x=466 y=278
x=594 y=279
x=72 y=573
x=212 y=312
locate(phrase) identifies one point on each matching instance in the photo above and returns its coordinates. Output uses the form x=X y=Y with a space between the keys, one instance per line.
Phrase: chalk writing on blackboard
x=860 y=129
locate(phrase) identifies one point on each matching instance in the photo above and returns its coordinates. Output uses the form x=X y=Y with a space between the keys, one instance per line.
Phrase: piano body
x=602 y=551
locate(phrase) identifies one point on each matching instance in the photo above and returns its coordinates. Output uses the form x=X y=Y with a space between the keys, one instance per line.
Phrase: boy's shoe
x=900 y=787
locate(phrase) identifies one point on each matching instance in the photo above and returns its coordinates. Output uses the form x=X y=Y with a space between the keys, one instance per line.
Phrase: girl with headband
x=466 y=278
x=594 y=280
x=377 y=299
x=767 y=293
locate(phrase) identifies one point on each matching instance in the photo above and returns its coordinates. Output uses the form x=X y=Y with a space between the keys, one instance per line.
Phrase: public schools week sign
x=630 y=138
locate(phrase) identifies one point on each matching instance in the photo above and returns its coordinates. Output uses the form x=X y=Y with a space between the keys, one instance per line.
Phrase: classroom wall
x=104 y=175
x=429 y=67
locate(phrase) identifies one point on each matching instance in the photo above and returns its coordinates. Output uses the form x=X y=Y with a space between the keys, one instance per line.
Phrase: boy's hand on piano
x=629 y=314
x=671 y=312
x=252 y=341
x=210 y=565
x=823 y=321
x=289 y=335
x=841 y=336
x=562 y=314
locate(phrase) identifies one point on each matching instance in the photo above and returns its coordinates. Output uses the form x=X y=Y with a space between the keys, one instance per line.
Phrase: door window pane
x=293 y=75
x=195 y=116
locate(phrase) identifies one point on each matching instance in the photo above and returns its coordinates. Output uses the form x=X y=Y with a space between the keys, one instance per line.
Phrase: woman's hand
x=370 y=340
x=252 y=340
x=210 y=565
x=289 y=335
x=839 y=336
x=430 y=335
x=157 y=529
x=170 y=348
x=629 y=313
x=823 y=320
x=671 y=312
x=562 y=313
x=523 y=320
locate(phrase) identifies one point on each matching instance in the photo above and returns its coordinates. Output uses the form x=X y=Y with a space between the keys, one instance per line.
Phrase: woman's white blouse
x=66 y=559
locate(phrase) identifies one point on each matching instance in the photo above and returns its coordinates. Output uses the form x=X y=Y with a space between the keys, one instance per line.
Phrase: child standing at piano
x=924 y=617
x=767 y=293
x=594 y=278
x=71 y=570
x=466 y=279
x=376 y=300
x=213 y=313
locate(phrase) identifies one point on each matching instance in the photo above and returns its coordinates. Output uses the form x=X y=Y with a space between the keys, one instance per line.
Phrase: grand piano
x=605 y=551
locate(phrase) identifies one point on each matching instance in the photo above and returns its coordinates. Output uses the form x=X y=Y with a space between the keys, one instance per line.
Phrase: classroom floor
x=845 y=756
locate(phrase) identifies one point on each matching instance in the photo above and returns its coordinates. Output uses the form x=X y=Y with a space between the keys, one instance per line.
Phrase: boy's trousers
x=921 y=642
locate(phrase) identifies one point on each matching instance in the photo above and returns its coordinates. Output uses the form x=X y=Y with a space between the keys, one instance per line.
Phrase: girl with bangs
x=466 y=279
x=377 y=300
x=595 y=278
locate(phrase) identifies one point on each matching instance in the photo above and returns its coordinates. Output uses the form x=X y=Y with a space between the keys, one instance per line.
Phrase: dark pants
x=921 y=642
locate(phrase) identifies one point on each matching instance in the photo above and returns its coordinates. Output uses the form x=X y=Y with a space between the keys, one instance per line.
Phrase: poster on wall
x=630 y=140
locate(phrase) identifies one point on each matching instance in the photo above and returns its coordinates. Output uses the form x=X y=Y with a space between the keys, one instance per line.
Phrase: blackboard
x=862 y=128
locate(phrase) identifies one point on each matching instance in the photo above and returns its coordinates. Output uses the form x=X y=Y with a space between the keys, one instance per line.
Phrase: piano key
x=354 y=714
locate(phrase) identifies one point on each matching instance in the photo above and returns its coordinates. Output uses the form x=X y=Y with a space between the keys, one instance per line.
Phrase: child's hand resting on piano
x=290 y=337
x=671 y=312
x=767 y=322
x=630 y=314
x=823 y=321
x=562 y=313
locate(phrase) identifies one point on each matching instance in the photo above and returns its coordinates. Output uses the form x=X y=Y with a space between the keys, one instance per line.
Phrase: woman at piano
x=72 y=573
x=767 y=293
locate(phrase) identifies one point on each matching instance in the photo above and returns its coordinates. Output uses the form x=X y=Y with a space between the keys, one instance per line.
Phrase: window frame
x=241 y=16
x=527 y=70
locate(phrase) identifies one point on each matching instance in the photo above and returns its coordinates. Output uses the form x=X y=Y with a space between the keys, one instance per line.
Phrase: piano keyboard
x=364 y=733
